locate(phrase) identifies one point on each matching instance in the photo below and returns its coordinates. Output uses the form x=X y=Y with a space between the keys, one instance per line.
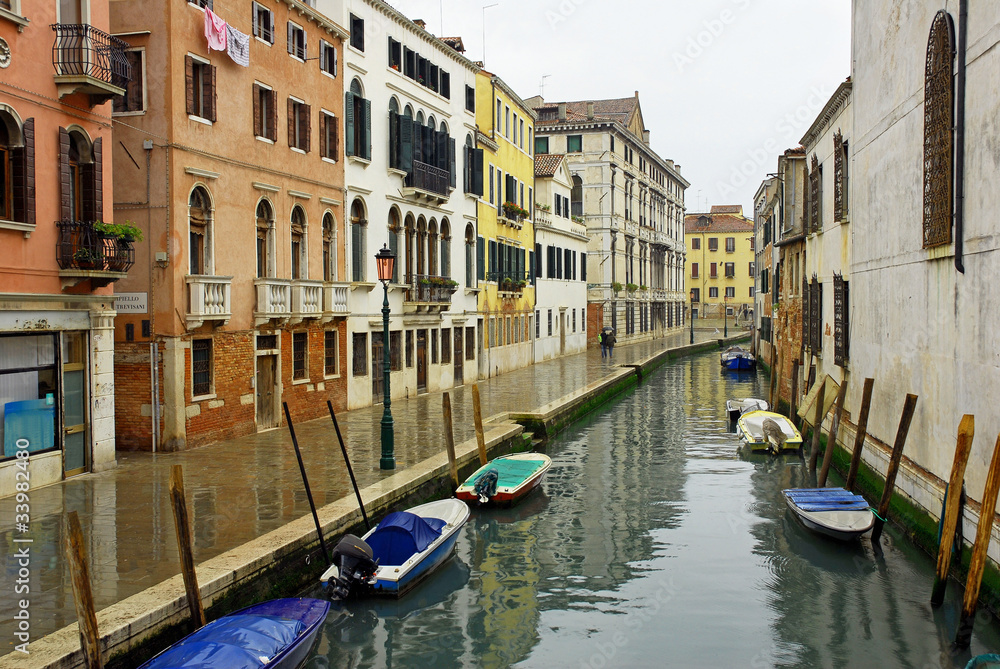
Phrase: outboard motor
x=486 y=485
x=355 y=564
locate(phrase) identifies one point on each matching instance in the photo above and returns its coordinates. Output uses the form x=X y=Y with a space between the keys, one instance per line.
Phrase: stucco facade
x=721 y=263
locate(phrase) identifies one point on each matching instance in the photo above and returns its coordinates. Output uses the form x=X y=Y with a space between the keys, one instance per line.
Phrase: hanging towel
x=238 y=46
x=215 y=31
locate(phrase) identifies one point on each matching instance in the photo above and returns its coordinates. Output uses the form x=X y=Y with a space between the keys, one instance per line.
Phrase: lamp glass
x=384 y=261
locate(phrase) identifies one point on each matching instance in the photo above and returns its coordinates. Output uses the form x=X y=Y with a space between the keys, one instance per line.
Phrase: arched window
x=421 y=266
x=394 y=105
x=470 y=255
x=356 y=87
x=329 y=248
x=445 y=248
x=200 y=232
x=300 y=256
x=394 y=232
x=410 y=249
x=420 y=117
x=408 y=111
x=265 y=240
x=17 y=167
x=359 y=225
x=939 y=97
x=576 y=197
x=432 y=249
x=357 y=122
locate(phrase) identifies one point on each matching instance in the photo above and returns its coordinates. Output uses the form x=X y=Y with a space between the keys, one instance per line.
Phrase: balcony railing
x=511 y=282
x=428 y=178
x=85 y=57
x=274 y=299
x=81 y=247
x=429 y=289
x=307 y=299
x=335 y=299
x=208 y=299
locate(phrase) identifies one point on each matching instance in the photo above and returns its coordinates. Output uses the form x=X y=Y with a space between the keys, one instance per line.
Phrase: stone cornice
x=392 y=13
x=833 y=106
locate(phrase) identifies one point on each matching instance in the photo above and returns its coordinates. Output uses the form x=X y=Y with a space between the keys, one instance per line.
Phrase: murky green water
x=655 y=543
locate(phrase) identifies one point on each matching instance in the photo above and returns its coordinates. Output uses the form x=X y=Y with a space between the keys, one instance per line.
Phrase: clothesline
x=223 y=37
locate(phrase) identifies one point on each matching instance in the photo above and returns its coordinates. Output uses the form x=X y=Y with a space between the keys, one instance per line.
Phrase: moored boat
x=398 y=553
x=277 y=634
x=833 y=512
x=505 y=480
x=736 y=408
x=768 y=431
x=738 y=358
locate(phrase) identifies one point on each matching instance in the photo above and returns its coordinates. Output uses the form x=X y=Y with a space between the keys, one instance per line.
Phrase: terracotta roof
x=717 y=223
x=546 y=164
x=727 y=209
x=455 y=43
x=615 y=109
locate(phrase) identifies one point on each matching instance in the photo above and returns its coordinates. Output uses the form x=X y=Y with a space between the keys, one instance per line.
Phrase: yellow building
x=720 y=263
x=505 y=243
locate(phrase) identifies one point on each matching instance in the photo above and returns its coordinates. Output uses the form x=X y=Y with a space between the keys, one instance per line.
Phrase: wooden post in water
x=449 y=436
x=184 y=545
x=862 y=433
x=831 y=443
x=793 y=403
x=953 y=500
x=82 y=596
x=305 y=482
x=984 y=528
x=477 y=414
x=817 y=426
x=890 y=475
x=775 y=385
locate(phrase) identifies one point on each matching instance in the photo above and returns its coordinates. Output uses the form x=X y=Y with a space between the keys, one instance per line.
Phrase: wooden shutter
x=493 y=259
x=583 y=265
x=96 y=185
x=23 y=177
x=305 y=121
x=481 y=258
x=291 y=45
x=477 y=174
x=336 y=138
x=356 y=251
x=451 y=160
x=393 y=139
x=291 y=122
x=272 y=117
x=210 y=94
x=189 y=83
x=256 y=26
x=368 y=129
x=440 y=150
x=349 y=142
x=65 y=206
x=406 y=144
x=258 y=128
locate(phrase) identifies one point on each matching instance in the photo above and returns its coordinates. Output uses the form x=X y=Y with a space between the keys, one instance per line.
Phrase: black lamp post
x=384 y=261
x=692 y=316
x=725 y=315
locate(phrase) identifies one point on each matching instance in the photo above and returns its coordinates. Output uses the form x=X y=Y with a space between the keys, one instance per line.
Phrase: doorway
x=74 y=407
x=267 y=394
x=459 y=357
x=378 y=368
x=421 y=361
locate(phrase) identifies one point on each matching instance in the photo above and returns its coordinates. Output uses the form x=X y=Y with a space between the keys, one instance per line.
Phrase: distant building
x=767 y=211
x=721 y=263
x=632 y=203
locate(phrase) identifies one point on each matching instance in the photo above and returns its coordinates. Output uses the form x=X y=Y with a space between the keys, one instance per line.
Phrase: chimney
x=562 y=111
x=590 y=111
x=423 y=24
x=645 y=137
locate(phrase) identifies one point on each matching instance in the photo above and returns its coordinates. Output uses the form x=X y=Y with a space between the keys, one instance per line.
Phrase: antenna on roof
x=541 y=86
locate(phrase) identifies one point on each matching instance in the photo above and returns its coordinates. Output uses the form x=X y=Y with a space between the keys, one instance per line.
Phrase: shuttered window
x=200 y=88
x=357 y=126
x=132 y=101
x=299 y=122
x=17 y=174
x=265 y=113
x=357 y=32
x=470 y=99
x=263 y=23
x=328 y=58
x=297 y=41
x=329 y=147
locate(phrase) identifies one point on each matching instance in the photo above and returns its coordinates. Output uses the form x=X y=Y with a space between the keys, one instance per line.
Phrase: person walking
x=610 y=339
x=602 y=339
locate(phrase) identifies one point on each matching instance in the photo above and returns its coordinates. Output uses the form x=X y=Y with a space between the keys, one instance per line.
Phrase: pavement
x=240 y=489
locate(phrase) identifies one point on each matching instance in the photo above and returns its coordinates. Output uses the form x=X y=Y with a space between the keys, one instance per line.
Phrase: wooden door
x=459 y=356
x=378 y=369
x=421 y=361
x=266 y=393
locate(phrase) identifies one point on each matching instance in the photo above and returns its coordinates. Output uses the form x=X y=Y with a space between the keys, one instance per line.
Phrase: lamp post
x=384 y=261
x=725 y=314
x=692 y=316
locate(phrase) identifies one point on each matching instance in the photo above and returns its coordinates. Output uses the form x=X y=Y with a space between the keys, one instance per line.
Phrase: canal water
x=655 y=542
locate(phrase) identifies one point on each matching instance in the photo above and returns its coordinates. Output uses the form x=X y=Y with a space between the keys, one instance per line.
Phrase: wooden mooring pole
x=890 y=475
x=953 y=499
x=82 y=595
x=817 y=426
x=305 y=482
x=793 y=404
x=184 y=545
x=477 y=414
x=862 y=433
x=347 y=461
x=449 y=436
x=984 y=528
x=831 y=443
x=774 y=391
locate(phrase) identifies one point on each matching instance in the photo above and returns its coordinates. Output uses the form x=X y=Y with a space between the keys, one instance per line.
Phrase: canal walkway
x=242 y=488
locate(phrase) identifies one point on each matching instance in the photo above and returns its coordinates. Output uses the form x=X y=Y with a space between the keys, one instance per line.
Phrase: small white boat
x=398 y=553
x=833 y=512
x=505 y=480
x=737 y=408
x=768 y=431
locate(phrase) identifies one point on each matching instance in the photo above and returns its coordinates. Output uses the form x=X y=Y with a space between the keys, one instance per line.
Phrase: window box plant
x=127 y=231
x=631 y=287
x=514 y=212
x=87 y=258
x=616 y=287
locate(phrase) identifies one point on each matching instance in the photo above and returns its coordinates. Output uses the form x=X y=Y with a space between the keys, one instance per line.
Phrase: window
x=133 y=101
x=265 y=112
x=17 y=168
x=265 y=239
x=694 y=270
x=520 y=133
x=751 y=269
x=201 y=367
x=201 y=3
x=360 y=353
x=446 y=346
x=297 y=41
x=409 y=348
x=576 y=198
x=328 y=144
x=445 y=88
x=299 y=255
x=841 y=322
x=491 y=185
x=751 y=292
x=695 y=243
x=696 y=294
x=713 y=243
x=714 y=271
x=357 y=32
x=263 y=23
x=470 y=99
x=550 y=322
x=395 y=352
x=199 y=231
x=357 y=123
x=713 y=293
x=300 y=348
x=331 y=358
x=395 y=54
x=434 y=346
x=328 y=58
x=730 y=292
x=574 y=143
x=506 y=121
x=515 y=128
x=730 y=270
x=329 y=248
x=583 y=265
x=730 y=245
x=470 y=255
x=939 y=104
x=541 y=144
x=470 y=343
x=200 y=88
x=299 y=121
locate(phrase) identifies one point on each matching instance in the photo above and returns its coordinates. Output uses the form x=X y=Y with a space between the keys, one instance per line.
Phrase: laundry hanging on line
x=215 y=31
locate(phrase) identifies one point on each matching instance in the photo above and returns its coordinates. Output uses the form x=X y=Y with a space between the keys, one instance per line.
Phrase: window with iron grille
x=806 y=315
x=360 y=353
x=357 y=33
x=816 y=196
x=838 y=176
x=395 y=354
x=300 y=348
x=267 y=342
x=331 y=359
x=434 y=346
x=816 y=316
x=201 y=367
x=470 y=343
x=201 y=3
x=297 y=41
x=841 y=320
x=939 y=104
x=550 y=322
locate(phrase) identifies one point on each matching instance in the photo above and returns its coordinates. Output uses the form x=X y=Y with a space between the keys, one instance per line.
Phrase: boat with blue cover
x=505 y=480
x=398 y=553
x=277 y=634
x=738 y=358
x=834 y=512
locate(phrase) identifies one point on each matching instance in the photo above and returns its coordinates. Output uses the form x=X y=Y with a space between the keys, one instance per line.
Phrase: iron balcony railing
x=85 y=50
x=429 y=178
x=511 y=281
x=81 y=247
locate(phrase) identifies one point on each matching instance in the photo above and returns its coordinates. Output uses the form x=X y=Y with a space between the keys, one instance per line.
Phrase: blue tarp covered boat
x=738 y=358
x=834 y=512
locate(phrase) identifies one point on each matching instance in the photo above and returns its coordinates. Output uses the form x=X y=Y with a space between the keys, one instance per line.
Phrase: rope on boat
x=875 y=513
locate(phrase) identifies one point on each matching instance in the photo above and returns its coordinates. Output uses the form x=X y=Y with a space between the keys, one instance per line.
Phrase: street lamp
x=692 y=316
x=384 y=261
x=725 y=314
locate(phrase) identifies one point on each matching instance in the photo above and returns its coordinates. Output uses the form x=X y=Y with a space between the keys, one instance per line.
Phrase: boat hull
x=739 y=363
x=843 y=524
x=507 y=495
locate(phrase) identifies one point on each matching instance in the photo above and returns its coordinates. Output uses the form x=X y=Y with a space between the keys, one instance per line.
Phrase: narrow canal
x=656 y=543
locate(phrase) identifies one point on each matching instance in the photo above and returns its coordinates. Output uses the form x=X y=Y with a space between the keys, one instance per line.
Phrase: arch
x=420 y=117
x=200 y=226
x=12 y=123
x=329 y=246
x=394 y=230
x=300 y=243
x=443 y=127
x=264 y=225
x=431 y=123
x=468 y=141
x=359 y=229
x=470 y=254
x=939 y=105
x=408 y=111
x=394 y=104
x=357 y=88
x=445 y=234
x=432 y=247
x=410 y=230
x=15 y=168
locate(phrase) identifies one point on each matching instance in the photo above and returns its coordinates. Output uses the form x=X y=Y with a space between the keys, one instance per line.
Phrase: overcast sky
x=724 y=85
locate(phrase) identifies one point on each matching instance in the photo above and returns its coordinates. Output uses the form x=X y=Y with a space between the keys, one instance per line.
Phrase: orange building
x=59 y=69
x=236 y=172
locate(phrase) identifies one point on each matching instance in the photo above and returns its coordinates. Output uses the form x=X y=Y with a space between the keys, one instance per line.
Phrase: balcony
x=509 y=284
x=334 y=300
x=91 y=61
x=425 y=292
x=427 y=181
x=84 y=253
x=543 y=219
x=512 y=215
x=307 y=300
x=208 y=300
x=274 y=300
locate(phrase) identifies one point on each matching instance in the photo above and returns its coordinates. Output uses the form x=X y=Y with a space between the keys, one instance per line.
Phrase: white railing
x=274 y=299
x=335 y=299
x=208 y=299
x=307 y=299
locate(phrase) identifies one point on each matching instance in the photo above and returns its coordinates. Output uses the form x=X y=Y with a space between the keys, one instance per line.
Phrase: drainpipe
x=963 y=12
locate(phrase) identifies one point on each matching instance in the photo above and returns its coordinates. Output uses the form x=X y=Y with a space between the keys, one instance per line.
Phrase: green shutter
x=393 y=137
x=477 y=174
x=367 y=141
x=481 y=258
x=349 y=147
x=405 y=144
x=451 y=159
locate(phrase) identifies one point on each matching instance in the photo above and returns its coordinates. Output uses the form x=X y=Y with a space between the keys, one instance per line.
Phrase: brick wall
x=307 y=398
x=225 y=416
x=595 y=321
x=133 y=388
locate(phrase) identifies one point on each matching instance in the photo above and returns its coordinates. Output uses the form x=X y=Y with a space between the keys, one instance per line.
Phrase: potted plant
x=616 y=287
x=522 y=284
x=579 y=219
x=643 y=288
x=127 y=231
x=395 y=66
x=631 y=287
x=543 y=207
x=507 y=283
x=88 y=258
